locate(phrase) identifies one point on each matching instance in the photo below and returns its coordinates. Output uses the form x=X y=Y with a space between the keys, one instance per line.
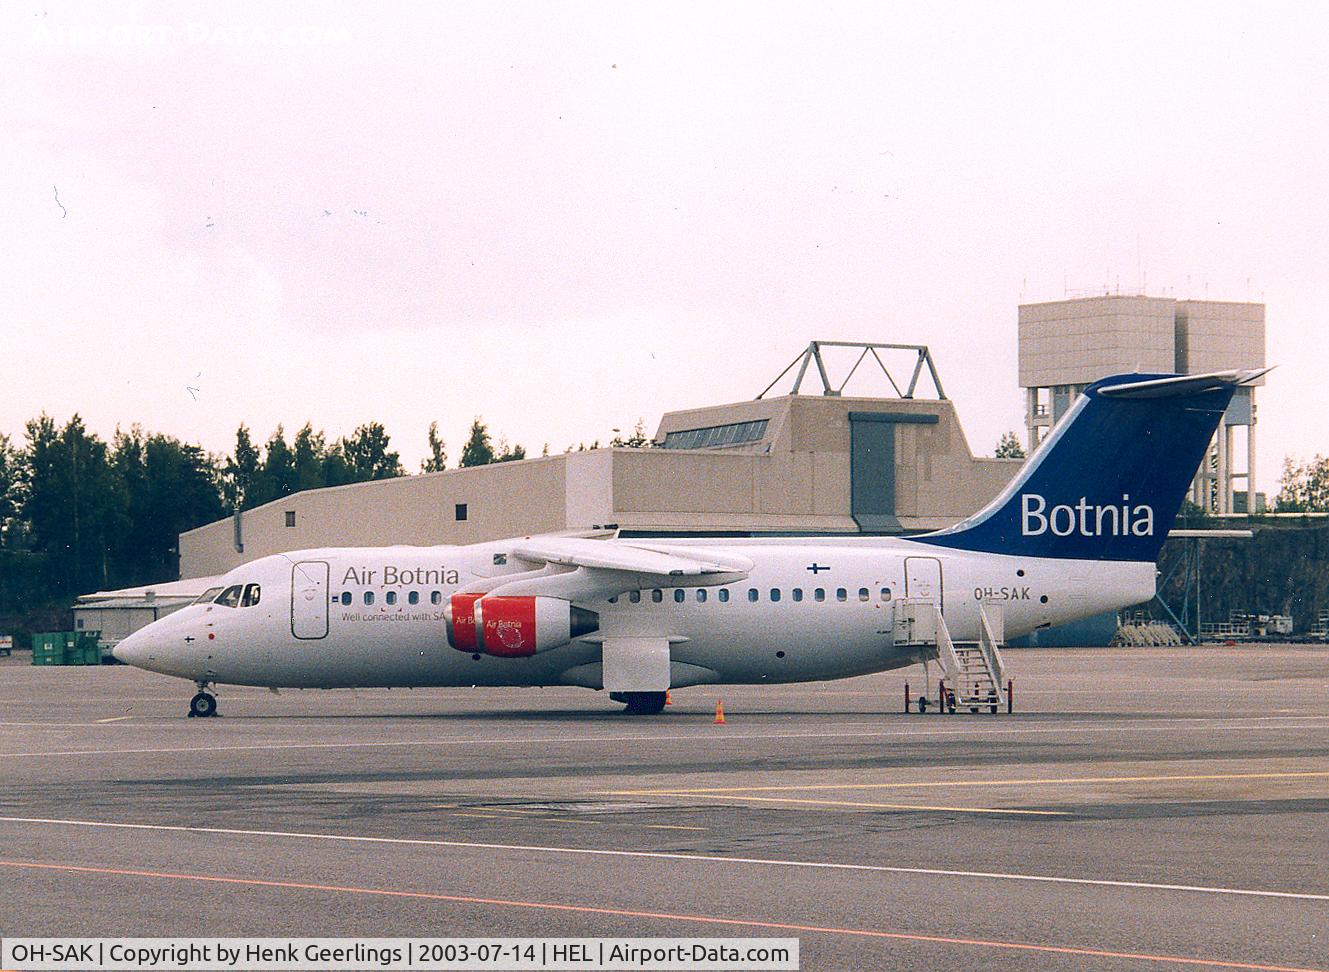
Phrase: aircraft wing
x=581 y=570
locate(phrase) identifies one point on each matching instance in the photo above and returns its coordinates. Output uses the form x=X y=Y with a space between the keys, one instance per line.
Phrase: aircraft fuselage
x=808 y=610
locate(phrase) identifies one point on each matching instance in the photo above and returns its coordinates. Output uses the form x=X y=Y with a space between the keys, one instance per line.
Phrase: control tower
x=1065 y=345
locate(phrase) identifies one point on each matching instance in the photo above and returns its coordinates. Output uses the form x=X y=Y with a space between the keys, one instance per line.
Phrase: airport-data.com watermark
x=194 y=34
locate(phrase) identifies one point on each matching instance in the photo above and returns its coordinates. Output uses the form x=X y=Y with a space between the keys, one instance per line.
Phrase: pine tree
x=438 y=457
x=478 y=451
x=1009 y=447
x=367 y=454
x=242 y=470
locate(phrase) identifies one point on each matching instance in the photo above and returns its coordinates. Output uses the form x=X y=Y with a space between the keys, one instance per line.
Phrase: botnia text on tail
x=1109 y=480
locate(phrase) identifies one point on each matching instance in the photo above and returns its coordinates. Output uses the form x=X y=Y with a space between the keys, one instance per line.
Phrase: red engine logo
x=460 y=616
x=514 y=627
x=507 y=626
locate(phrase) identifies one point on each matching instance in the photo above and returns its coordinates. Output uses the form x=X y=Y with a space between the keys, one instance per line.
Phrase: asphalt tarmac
x=1142 y=809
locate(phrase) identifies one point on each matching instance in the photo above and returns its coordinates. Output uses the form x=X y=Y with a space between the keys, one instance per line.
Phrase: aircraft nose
x=132 y=650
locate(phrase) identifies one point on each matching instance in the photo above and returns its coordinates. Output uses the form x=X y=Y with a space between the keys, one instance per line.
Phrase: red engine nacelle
x=514 y=627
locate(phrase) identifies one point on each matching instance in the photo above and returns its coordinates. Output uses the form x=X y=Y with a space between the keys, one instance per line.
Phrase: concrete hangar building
x=821 y=463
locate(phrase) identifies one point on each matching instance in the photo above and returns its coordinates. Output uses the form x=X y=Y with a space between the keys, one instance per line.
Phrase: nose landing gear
x=204 y=704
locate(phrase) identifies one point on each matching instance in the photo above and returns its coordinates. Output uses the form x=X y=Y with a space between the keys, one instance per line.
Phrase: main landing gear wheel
x=645 y=703
x=202 y=706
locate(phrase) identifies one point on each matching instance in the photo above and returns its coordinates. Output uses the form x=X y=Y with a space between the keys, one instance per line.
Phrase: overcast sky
x=564 y=217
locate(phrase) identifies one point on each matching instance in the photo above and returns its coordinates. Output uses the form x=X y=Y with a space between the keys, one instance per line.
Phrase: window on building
x=679 y=594
x=797 y=593
x=461 y=512
x=841 y=594
x=290 y=518
x=413 y=597
x=736 y=433
x=723 y=595
x=819 y=594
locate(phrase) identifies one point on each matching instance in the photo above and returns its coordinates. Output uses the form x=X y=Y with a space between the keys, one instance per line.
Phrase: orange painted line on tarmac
x=873 y=806
x=666 y=916
x=930 y=784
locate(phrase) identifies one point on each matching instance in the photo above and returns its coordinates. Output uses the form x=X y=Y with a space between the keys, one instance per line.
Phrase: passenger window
x=775 y=593
x=657 y=595
x=413 y=597
x=841 y=594
x=251 y=596
x=701 y=595
x=391 y=597
x=723 y=595
x=885 y=593
x=614 y=599
x=819 y=594
x=230 y=597
x=634 y=597
x=346 y=597
x=798 y=593
x=752 y=594
x=679 y=594
x=369 y=597
x=863 y=594
x=435 y=597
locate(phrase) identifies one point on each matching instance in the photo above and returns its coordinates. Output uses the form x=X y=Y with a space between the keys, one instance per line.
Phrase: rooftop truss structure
x=813 y=355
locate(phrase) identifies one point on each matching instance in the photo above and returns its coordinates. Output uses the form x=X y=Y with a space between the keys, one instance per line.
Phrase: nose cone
x=132 y=650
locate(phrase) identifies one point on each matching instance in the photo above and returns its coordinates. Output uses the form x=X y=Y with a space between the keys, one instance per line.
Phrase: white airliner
x=1077 y=533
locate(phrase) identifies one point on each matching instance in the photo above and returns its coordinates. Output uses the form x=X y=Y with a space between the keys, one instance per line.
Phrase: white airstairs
x=973 y=673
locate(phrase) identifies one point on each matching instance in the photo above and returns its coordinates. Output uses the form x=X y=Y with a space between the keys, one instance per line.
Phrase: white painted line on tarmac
x=686 y=858
x=710 y=736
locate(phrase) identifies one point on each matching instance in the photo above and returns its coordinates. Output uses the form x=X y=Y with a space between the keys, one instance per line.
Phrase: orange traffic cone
x=719 y=712
x=669 y=699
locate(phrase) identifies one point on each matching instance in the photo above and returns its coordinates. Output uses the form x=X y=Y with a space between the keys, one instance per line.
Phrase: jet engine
x=514 y=627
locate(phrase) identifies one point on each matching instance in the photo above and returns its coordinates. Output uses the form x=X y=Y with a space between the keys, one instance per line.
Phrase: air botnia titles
x=368 y=576
x=1085 y=519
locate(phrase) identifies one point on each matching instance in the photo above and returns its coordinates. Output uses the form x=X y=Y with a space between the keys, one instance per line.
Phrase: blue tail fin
x=1109 y=480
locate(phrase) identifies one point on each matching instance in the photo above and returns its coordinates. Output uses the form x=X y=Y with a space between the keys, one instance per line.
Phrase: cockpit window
x=251 y=596
x=231 y=596
x=208 y=596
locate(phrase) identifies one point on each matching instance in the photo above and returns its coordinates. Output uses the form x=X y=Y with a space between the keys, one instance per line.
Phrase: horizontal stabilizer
x=1184 y=384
